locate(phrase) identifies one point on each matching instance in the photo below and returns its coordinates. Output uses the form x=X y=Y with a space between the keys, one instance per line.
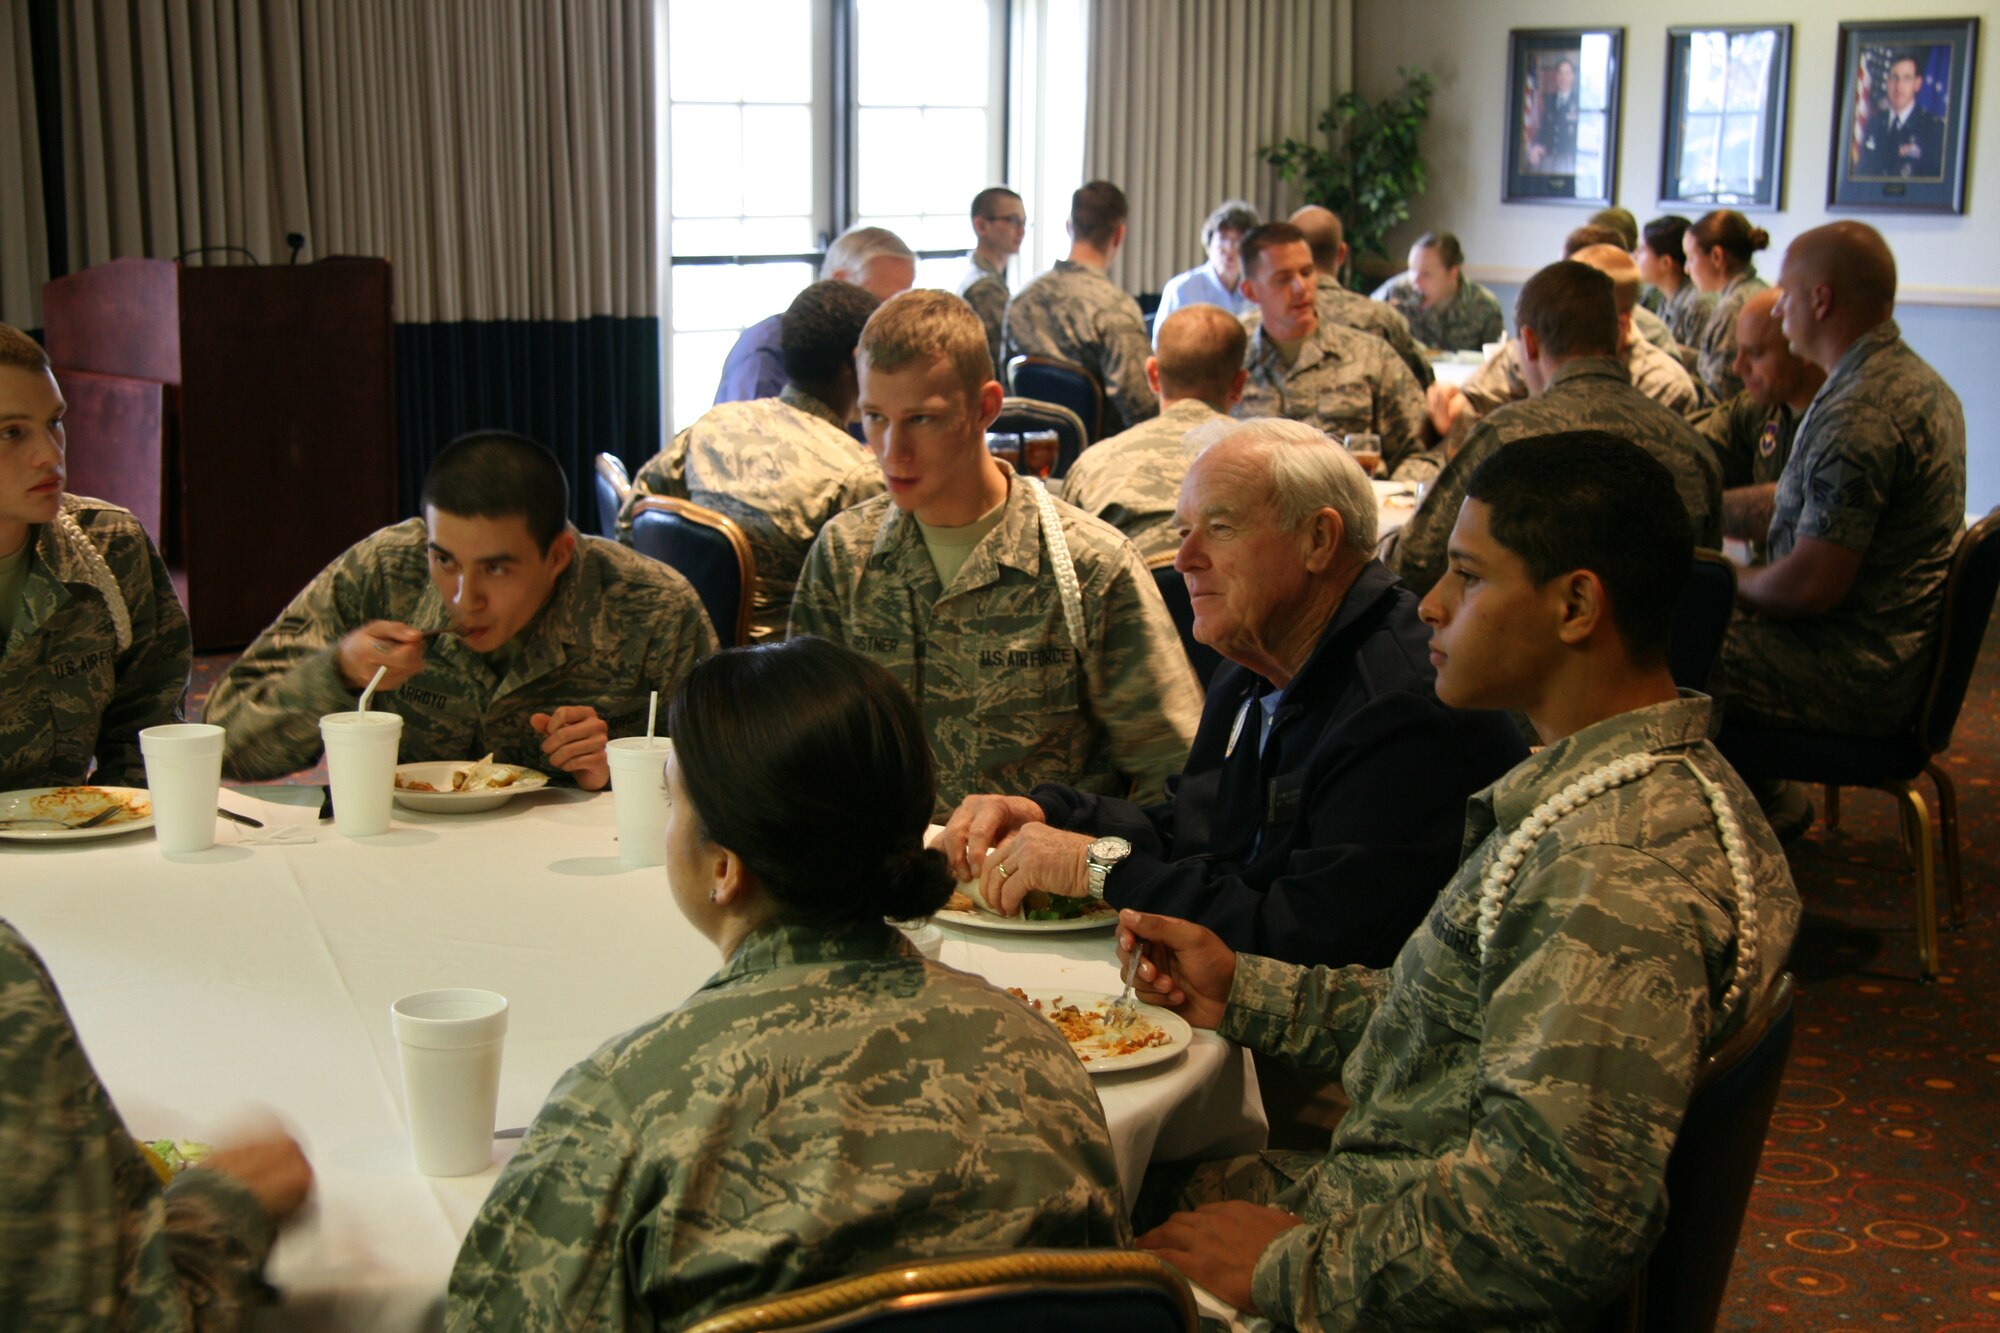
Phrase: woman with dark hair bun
x=829 y=1100
x=1719 y=249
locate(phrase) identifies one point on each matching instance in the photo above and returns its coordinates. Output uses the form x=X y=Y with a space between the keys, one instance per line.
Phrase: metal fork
x=1126 y=1007
x=100 y=817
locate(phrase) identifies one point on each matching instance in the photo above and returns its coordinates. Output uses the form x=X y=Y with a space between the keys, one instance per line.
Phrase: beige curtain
x=24 y=242
x=1182 y=94
x=499 y=152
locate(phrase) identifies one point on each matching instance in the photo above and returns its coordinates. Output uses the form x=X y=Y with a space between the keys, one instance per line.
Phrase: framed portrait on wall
x=1725 y=126
x=1562 y=115
x=1902 y=103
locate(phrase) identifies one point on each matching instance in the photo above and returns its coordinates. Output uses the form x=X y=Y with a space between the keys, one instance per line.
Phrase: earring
x=711 y=895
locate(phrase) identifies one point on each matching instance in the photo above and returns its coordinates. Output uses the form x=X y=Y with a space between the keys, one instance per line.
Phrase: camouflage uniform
x=1343 y=381
x=828 y=1102
x=1588 y=393
x=985 y=290
x=74 y=680
x=89 y=1240
x=1659 y=376
x=1006 y=701
x=1465 y=323
x=1074 y=313
x=1687 y=313
x=781 y=467
x=1133 y=481
x=1351 y=310
x=1514 y=1102
x=1716 y=350
x=616 y=627
x=1750 y=440
x=1879 y=468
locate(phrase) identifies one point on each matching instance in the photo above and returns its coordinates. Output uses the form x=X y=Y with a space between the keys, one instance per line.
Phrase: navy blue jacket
x=1359 y=797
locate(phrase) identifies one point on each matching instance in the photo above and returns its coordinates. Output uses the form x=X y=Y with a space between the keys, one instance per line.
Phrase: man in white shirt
x=1219 y=281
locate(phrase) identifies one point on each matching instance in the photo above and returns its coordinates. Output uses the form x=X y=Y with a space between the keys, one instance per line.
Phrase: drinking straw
x=369 y=693
x=652 y=711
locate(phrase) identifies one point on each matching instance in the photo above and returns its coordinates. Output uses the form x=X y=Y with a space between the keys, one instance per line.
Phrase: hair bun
x=1759 y=238
x=914 y=882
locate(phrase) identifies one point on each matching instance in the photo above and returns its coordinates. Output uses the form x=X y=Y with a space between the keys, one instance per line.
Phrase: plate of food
x=1152 y=1037
x=131 y=808
x=1041 y=913
x=463 y=786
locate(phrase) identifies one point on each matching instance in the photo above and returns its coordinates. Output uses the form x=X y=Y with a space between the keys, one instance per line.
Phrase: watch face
x=1110 y=849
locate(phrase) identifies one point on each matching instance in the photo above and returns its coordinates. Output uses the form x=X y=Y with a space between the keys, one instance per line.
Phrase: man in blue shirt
x=872 y=258
x=1220 y=280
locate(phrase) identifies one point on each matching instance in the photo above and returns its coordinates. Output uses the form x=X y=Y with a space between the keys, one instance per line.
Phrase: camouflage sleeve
x=1307 y=1016
x=1724 y=427
x=817 y=603
x=679 y=634
x=1395 y=331
x=863 y=482
x=988 y=300
x=547 y=1251
x=152 y=674
x=270 y=701
x=1492 y=323
x=1849 y=484
x=1141 y=686
x=1717 y=353
x=110 y=1248
x=1596 y=1008
x=1420 y=555
x=1400 y=413
x=1121 y=333
x=1496 y=383
x=665 y=473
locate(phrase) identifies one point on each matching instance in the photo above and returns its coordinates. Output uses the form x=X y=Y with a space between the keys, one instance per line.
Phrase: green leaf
x=1374 y=164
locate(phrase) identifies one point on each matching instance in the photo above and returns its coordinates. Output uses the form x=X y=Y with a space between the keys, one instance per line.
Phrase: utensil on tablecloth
x=1126 y=1007
x=102 y=816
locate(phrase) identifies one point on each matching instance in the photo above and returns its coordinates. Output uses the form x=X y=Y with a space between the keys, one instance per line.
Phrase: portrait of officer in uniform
x=1551 y=146
x=1904 y=138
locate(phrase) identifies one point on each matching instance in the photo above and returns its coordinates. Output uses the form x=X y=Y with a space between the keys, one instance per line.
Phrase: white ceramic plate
x=438 y=774
x=1021 y=925
x=1179 y=1034
x=21 y=805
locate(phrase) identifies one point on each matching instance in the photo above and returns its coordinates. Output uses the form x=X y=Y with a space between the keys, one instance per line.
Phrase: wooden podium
x=246 y=415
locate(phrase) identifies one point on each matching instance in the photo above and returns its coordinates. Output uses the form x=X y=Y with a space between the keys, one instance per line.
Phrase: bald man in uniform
x=1752 y=432
x=1835 y=631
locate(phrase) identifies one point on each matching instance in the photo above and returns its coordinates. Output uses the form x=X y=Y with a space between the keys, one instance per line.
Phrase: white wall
x=1949 y=265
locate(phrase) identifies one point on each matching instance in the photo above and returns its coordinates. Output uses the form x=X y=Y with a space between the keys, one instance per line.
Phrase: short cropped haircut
x=1732 y=231
x=498 y=474
x=1309 y=471
x=1589 y=234
x=17 y=349
x=1621 y=221
x=819 y=329
x=984 y=202
x=916 y=325
x=1663 y=238
x=1572 y=308
x=1096 y=211
x=853 y=248
x=1450 y=253
x=1616 y=263
x=1259 y=239
x=1237 y=215
x=1200 y=350
x=1592 y=500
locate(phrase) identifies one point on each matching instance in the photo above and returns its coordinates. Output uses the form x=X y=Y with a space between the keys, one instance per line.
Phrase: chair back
x=1969 y=589
x=1710 y=1172
x=1701 y=619
x=614 y=487
x=1026 y=414
x=1173 y=591
x=1045 y=1291
x=710 y=551
x=1048 y=380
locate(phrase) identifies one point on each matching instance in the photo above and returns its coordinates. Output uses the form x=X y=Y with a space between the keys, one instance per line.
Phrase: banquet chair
x=1701 y=619
x=1048 y=380
x=710 y=551
x=1016 y=1291
x=1710 y=1171
x=1027 y=414
x=613 y=489
x=1173 y=591
x=1894 y=763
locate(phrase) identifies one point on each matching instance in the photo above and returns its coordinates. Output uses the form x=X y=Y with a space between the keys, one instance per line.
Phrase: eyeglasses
x=1012 y=219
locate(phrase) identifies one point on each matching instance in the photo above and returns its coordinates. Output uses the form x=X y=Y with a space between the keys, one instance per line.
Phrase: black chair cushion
x=1057 y=384
x=705 y=557
x=1019 y=417
x=1173 y=591
x=1700 y=621
x=1125 y=1307
x=607 y=507
x=1805 y=756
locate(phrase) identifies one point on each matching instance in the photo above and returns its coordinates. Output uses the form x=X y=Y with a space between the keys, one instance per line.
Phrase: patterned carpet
x=1878 y=1200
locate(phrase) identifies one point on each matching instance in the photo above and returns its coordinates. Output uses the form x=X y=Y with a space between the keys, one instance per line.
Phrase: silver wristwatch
x=1101 y=856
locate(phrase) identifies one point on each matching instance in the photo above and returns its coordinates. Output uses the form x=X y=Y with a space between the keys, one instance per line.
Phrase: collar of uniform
x=1869 y=343
x=990 y=270
x=1016 y=541
x=1320 y=345
x=1072 y=266
x=1371 y=585
x=794 y=397
x=1590 y=368
x=56 y=565
x=1187 y=412
x=1673 y=725
x=1747 y=274
x=780 y=944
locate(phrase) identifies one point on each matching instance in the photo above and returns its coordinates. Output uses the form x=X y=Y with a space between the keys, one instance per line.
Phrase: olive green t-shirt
x=950 y=547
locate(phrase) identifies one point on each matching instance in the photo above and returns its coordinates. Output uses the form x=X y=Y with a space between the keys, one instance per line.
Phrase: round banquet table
x=260 y=974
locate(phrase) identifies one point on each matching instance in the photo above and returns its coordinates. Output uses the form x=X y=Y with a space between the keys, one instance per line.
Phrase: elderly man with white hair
x=1324 y=797
x=872 y=258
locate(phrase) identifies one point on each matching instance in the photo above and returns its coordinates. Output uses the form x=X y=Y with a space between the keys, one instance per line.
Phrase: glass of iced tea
x=1367 y=451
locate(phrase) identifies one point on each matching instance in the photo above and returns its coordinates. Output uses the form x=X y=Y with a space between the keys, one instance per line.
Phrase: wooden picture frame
x=1562 y=115
x=1901 y=116
x=1724 y=139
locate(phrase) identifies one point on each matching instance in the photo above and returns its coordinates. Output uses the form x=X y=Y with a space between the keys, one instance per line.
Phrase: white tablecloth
x=262 y=975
